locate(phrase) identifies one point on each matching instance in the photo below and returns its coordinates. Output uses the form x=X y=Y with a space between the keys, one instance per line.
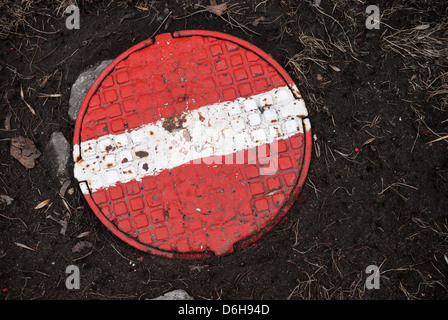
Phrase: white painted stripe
x=214 y=130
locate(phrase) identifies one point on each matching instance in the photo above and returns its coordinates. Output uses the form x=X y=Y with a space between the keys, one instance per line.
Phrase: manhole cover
x=191 y=145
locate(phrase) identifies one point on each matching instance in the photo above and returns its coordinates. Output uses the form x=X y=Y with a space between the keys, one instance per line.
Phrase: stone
x=82 y=85
x=178 y=294
x=58 y=151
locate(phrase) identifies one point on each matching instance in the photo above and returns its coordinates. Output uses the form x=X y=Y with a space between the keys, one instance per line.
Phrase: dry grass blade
x=42 y=204
x=50 y=95
x=24 y=246
x=422 y=47
x=368 y=141
x=23 y=99
x=438 y=139
x=422 y=27
x=82 y=235
x=6 y=217
x=335 y=68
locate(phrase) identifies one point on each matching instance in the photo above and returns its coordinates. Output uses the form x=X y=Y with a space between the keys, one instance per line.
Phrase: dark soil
x=380 y=201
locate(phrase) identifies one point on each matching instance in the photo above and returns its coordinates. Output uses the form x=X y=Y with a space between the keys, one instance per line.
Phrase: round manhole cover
x=192 y=145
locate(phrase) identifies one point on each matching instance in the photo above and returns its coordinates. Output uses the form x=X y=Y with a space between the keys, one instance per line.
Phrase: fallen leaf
x=142 y=8
x=24 y=150
x=6 y=198
x=82 y=235
x=319 y=77
x=64 y=188
x=258 y=20
x=64 y=224
x=335 y=68
x=8 y=121
x=24 y=246
x=42 y=204
x=81 y=245
x=217 y=9
x=369 y=141
x=422 y=27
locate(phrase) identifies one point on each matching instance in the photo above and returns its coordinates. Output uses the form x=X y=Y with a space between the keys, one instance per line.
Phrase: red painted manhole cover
x=191 y=145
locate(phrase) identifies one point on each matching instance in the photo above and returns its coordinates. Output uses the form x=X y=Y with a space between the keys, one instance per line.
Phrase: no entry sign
x=191 y=145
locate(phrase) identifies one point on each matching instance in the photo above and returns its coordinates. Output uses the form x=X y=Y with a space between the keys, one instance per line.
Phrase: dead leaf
x=422 y=27
x=335 y=68
x=8 y=121
x=64 y=188
x=319 y=77
x=6 y=198
x=64 y=224
x=82 y=235
x=24 y=246
x=369 y=141
x=24 y=150
x=142 y=8
x=81 y=245
x=258 y=20
x=42 y=204
x=217 y=9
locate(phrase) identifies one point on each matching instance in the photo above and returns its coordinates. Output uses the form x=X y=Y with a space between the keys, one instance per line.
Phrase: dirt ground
x=377 y=189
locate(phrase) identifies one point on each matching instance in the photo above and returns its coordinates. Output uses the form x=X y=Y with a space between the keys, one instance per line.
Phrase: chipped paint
x=220 y=129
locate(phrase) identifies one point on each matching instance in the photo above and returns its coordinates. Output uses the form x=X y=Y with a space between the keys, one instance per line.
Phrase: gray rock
x=178 y=294
x=82 y=85
x=58 y=151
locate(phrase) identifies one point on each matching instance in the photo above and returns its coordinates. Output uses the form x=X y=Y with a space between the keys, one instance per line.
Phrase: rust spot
x=124 y=160
x=295 y=92
x=151 y=133
x=273 y=121
x=145 y=166
x=183 y=98
x=266 y=103
x=109 y=165
x=141 y=154
x=201 y=117
x=174 y=122
x=108 y=148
